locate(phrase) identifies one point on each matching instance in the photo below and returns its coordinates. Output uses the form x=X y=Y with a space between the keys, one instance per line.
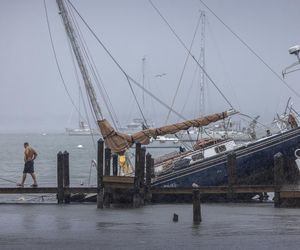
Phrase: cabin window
x=220 y=149
x=197 y=157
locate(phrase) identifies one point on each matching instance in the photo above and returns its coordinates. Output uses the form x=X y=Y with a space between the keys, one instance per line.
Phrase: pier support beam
x=231 y=171
x=142 y=176
x=66 y=174
x=107 y=171
x=196 y=206
x=137 y=178
x=278 y=177
x=115 y=164
x=100 y=194
x=60 y=178
x=148 y=194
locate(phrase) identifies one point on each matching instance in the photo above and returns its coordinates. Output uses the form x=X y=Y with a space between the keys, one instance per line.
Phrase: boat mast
x=79 y=57
x=202 y=64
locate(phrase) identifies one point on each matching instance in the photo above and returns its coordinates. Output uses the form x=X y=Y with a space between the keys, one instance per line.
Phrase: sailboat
x=83 y=129
x=206 y=165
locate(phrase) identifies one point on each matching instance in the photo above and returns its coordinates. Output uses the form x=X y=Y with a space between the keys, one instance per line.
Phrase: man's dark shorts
x=28 y=167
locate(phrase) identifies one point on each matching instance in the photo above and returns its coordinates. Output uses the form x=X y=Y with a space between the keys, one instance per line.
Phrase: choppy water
x=229 y=226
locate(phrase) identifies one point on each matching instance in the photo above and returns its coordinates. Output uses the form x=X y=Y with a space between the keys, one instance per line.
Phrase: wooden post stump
x=196 y=206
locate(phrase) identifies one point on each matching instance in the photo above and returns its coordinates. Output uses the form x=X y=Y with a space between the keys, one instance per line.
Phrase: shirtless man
x=29 y=157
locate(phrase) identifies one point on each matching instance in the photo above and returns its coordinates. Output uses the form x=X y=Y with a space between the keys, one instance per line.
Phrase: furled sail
x=119 y=142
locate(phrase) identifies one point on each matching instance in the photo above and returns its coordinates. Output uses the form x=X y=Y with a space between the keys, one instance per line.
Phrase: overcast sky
x=33 y=98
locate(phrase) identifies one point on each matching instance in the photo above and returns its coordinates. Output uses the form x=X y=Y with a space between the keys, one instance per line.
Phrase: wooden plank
x=29 y=190
x=290 y=194
x=118 y=179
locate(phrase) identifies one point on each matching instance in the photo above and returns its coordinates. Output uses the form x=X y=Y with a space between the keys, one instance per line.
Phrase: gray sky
x=32 y=96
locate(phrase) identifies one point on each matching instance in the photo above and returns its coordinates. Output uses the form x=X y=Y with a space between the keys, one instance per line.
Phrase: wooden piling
x=142 y=177
x=196 y=206
x=152 y=168
x=66 y=174
x=278 y=177
x=107 y=167
x=107 y=162
x=137 y=178
x=60 y=178
x=100 y=151
x=115 y=164
x=148 y=194
x=231 y=172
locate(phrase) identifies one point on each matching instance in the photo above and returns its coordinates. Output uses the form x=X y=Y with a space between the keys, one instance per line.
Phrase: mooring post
x=66 y=174
x=231 y=172
x=152 y=168
x=142 y=173
x=148 y=178
x=278 y=177
x=107 y=161
x=115 y=164
x=137 y=180
x=60 y=178
x=196 y=206
x=107 y=167
x=100 y=152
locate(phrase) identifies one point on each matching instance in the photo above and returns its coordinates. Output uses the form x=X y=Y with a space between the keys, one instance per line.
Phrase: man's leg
x=23 y=180
x=34 y=178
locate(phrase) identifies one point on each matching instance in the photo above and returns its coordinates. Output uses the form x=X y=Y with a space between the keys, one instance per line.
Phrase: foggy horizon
x=34 y=100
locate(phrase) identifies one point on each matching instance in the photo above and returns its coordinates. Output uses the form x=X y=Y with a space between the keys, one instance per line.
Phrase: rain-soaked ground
x=83 y=226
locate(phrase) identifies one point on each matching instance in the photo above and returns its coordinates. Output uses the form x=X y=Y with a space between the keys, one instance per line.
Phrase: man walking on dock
x=29 y=157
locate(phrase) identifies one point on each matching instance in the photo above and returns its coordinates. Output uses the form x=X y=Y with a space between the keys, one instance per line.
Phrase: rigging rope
x=115 y=61
x=184 y=67
x=252 y=51
x=185 y=47
x=56 y=59
x=94 y=71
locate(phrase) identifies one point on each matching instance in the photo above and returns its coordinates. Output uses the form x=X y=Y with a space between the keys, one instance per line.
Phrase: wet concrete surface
x=83 y=226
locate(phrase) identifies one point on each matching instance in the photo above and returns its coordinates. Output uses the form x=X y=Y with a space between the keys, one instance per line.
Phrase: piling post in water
x=137 y=180
x=60 y=178
x=152 y=168
x=231 y=172
x=142 y=175
x=148 y=193
x=107 y=166
x=278 y=177
x=107 y=162
x=196 y=206
x=66 y=174
x=100 y=151
x=115 y=164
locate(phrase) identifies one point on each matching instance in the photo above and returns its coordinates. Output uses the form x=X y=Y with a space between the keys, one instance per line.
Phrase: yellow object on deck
x=124 y=164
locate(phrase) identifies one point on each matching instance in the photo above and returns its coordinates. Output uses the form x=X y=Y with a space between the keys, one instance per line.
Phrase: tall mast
x=202 y=64
x=79 y=57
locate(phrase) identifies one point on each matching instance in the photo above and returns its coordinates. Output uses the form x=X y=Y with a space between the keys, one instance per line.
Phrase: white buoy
x=79 y=146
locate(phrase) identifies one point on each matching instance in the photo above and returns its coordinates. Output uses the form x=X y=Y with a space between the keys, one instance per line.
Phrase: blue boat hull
x=254 y=164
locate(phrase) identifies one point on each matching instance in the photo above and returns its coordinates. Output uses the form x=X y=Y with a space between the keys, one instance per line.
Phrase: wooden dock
x=138 y=189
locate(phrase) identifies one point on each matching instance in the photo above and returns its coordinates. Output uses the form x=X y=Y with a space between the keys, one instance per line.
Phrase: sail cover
x=119 y=142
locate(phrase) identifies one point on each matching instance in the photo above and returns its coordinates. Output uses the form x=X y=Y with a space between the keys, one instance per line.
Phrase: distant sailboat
x=83 y=129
